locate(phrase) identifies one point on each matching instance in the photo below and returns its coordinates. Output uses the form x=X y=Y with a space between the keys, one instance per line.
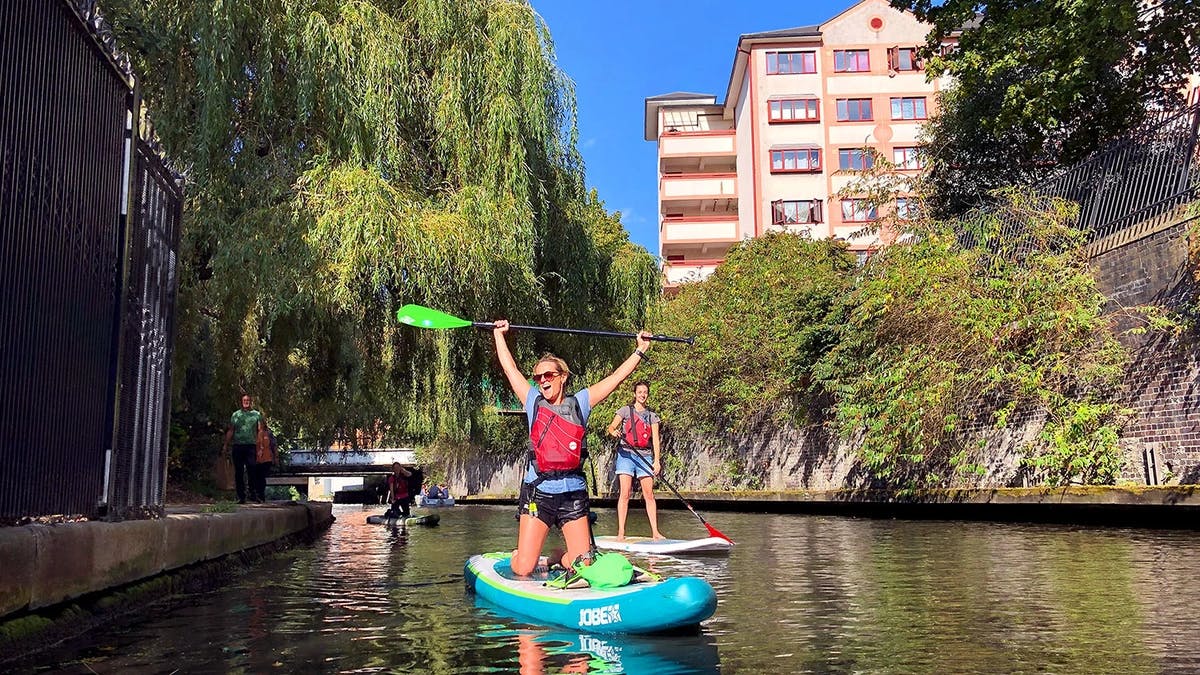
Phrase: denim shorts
x=626 y=464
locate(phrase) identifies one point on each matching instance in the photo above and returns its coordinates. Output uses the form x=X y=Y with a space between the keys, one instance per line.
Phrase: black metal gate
x=67 y=249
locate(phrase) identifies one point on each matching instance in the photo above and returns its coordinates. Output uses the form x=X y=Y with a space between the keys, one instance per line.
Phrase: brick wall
x=1161 y=385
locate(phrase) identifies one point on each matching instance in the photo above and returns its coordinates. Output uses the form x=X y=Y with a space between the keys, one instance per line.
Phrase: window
x=851 y=61
x=791 y=63
x=908 y=108
x=795 y=110
x=855 y=159
x=854 y=110
x=906 y=208
x=675 y=258
x=800 y=160
x=857 y=211
x=904 y=58
x=906 y=158
x=792 y=212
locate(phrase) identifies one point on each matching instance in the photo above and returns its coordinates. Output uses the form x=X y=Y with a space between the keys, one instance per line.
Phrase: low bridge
x=344 y=462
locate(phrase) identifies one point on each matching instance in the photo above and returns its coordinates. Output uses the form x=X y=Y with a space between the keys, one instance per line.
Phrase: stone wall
x=44 y=565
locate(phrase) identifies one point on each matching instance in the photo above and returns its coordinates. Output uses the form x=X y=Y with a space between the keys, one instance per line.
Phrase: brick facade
x=1162 y=385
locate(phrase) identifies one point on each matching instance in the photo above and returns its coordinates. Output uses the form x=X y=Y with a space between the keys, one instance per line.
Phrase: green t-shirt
x=245 y=425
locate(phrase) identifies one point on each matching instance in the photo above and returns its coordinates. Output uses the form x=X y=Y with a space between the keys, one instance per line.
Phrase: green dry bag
x=608 y=570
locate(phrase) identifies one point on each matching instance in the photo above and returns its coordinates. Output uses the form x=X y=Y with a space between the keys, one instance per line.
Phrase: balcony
x=698 y=143
x=697 y=229
x=685 y=271
x=698 y=186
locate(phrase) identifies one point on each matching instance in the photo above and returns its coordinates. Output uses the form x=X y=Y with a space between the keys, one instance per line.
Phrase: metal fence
x=138 y=467
x=1132 y=184
x=67 y=249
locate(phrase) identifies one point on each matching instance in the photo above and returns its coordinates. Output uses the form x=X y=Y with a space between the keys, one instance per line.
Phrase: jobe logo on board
x=600 y=648
x=600 y=616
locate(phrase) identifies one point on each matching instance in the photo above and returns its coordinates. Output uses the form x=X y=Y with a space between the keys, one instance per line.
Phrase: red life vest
x=397 y=487
x=557 y=441
x=637 y=433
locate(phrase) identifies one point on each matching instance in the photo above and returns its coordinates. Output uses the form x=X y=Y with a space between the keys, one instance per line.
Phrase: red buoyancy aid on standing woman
x=397 y=487
x=557 y=439
x=637 y=432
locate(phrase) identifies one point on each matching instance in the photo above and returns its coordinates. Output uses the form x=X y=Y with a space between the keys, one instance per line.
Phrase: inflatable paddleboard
x=665 y=546
x=644 y=607
x=422 y=500
x=430 y=519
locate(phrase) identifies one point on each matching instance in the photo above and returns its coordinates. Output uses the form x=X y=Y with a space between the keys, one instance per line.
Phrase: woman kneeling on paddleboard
x=554 y=493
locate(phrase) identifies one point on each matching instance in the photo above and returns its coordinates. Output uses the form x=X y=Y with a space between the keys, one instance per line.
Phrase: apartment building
x=800 y=106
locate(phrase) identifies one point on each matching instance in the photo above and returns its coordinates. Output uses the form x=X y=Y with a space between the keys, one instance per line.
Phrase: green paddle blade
x=423 y=317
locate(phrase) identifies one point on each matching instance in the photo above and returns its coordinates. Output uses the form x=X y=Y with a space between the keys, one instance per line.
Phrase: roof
x=681 y=96
x=798 y=31
x=653 y=103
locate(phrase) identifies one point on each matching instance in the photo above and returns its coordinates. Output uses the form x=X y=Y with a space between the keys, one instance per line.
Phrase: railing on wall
x=72 y=256
x=1135 y=183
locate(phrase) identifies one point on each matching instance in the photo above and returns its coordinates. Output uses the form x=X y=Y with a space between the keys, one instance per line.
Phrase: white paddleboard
x=665 y=546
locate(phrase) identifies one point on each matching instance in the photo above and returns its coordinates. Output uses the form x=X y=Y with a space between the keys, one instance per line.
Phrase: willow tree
x=349 y=156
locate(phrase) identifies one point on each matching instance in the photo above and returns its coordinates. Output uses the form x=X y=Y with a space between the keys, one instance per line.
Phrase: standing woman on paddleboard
x=553 y=493
x=637 y=428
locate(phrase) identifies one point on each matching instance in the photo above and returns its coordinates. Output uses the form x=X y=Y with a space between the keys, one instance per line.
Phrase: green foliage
x=911 y=354
x=346 y=157
x=275 y=492
x=761 y=321
x=938 y=337
x=1037 y=84
x=1079 y=443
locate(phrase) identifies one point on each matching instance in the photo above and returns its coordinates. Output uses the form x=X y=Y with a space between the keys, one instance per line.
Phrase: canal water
x=797 y=594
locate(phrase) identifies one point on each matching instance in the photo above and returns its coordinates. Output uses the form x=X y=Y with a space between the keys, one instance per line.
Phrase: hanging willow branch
x=348 y=156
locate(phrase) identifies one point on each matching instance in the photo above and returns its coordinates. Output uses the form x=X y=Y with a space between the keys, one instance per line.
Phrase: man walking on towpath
x=244 y=427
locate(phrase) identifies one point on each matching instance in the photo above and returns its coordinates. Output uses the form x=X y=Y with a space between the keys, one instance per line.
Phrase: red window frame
x=910 y=153
x=896 y=63
x=776 y=107
x=780 y=207
x=806 y=60
x=913 y=100
x=847 y=155
x=852 y=60
x=813 y=157
x=871 y=213
x=844 y=105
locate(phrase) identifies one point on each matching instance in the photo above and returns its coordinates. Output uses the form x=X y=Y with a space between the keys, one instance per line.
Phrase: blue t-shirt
x=555 y=486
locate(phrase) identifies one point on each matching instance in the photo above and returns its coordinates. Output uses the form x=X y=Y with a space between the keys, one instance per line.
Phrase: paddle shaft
x=486 y=325
x=712 y=530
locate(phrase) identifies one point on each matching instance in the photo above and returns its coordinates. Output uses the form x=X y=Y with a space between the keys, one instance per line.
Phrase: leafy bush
x=761 y=320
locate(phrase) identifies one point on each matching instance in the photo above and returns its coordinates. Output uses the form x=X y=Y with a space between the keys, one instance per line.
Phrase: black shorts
x=553 y=510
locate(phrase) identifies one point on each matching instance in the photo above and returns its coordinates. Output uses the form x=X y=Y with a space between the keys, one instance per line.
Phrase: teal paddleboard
x=641 y=607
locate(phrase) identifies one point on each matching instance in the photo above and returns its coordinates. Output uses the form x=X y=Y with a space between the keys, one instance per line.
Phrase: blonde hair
x=559 y=363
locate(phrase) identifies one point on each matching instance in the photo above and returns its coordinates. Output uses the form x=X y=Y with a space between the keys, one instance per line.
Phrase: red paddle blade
x=716 y=533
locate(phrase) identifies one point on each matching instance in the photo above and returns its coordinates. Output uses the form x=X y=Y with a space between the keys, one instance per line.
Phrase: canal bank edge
x=46 y=565
x=1176 y=506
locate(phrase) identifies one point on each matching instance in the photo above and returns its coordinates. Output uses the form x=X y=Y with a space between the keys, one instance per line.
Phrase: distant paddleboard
x=422 y=500
x=428 y=520
x=665 y=546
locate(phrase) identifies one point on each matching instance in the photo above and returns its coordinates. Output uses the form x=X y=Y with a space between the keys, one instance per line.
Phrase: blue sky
x=618 y=52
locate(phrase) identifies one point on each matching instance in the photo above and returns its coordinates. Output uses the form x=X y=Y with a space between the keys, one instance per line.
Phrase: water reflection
x=797 y=594
x=549 y=650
